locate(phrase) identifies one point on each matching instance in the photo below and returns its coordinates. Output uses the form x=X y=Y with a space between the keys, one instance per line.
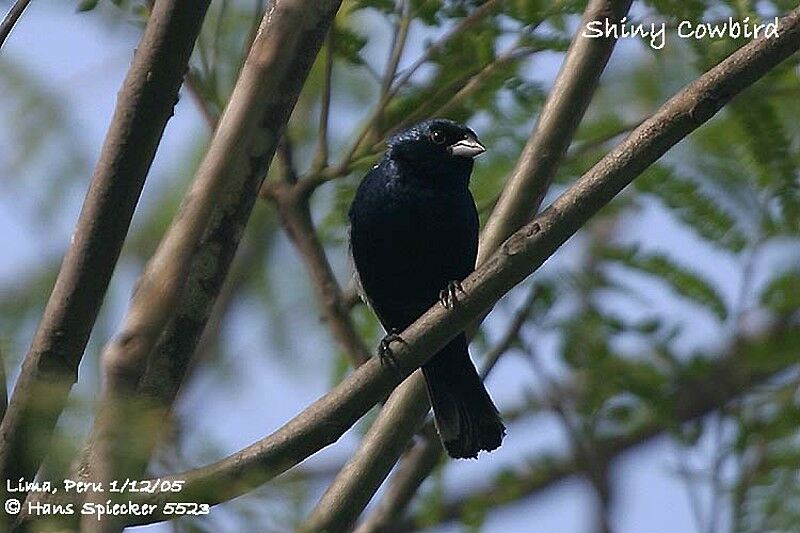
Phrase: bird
x=413 y=238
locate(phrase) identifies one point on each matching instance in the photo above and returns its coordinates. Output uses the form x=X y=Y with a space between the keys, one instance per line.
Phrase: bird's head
x=437 y=147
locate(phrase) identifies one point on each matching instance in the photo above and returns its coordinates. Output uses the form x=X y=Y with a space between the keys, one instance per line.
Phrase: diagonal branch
x=566 y=104
x=398 y=46
x=423 y=457
x=11 y=18
x=328 y=418
x=144 y=105
x=292 y=200
x=183 y=278
x=320 y=159
x=563 y=111
x=511 y=334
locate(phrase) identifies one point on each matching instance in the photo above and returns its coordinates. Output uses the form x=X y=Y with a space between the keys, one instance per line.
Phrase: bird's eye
x=438 y=136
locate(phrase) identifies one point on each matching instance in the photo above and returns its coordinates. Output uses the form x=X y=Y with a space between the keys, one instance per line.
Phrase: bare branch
x=11 y=18
x=558 y=121
x=292 y=201
x=144 y=105
x=397 y=48
x=355 y=484
x=320 y=160
x=425 y=454
x=463 y=89
x=285 y=155
x=204 y=235
x=324 y=421
x=416 y=465
x=476 y=16
x=193 y=86
x=511 y=334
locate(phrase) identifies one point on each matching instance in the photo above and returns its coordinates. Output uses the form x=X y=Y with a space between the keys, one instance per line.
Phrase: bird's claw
x=448 y=296
x=385 y=352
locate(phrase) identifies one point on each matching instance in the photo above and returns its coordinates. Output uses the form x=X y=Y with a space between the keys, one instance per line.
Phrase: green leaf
x=680 y=9
x=87 y=5
x=684 y=282
x=384 y=6
x=427 y=11
x=348 y=44
x=770 y=153
x=782 y=293
x=691 y=205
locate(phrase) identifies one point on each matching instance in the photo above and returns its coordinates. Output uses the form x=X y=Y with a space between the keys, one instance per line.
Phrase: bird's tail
x=465 y=416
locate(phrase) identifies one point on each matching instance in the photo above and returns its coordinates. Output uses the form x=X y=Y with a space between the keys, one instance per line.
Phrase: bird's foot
x=385 y=352
x=448 y=296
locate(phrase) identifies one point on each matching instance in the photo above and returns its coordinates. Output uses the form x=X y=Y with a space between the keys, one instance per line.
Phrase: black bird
x=414 y=237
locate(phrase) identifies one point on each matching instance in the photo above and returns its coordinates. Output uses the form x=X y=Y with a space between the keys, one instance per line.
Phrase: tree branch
x=423 y=457
x=320 y=160
x=511 y=334
x=418 y=462
x=397 y=47
x=144 y=105
x=292 y=200
x=565 y=106
x=354 y=485
x=193 y=85
x=326 y=419
x=11 y=18
x=204 y=235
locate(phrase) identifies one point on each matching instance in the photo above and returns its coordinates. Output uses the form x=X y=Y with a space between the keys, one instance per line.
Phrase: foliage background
x=702 y=252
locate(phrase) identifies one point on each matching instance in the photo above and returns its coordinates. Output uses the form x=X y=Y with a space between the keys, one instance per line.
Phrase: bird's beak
x=469 y=147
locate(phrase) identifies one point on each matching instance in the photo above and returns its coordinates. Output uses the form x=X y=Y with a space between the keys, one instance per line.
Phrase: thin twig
x=292 y=200
x=285 y=160
x=392 y=91
x=193 y=85
x=511 y=334
x=586 y=452
x=212 y=61
x=397 y=47
x=320 y=160
x=471 y=20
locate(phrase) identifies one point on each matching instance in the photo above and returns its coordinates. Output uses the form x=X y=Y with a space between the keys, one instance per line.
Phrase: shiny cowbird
x=414 y=237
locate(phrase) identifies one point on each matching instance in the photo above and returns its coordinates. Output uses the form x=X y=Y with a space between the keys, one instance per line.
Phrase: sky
x=84 y=60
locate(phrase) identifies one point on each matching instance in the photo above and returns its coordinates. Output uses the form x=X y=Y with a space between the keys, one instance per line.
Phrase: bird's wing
x=357 y=279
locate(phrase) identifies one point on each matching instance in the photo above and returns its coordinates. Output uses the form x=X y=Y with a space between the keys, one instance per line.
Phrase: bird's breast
x=408 y=244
